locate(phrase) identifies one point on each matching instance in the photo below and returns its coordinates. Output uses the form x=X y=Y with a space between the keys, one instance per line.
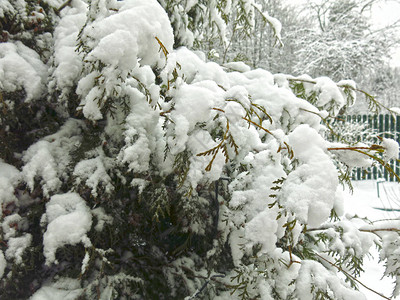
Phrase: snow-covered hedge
x=151 y=173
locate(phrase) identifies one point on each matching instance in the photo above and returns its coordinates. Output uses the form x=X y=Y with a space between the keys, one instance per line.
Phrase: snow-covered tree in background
x=346 y=38
x=262 y=45
x=386 y=83
x=131 y=169
x=331 y=38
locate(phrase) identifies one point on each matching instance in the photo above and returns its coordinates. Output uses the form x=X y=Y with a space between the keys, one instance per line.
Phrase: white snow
x=66 y=63
x=322 y=278
x=275 y=23
x=329 y=94
x=63 y=289
x=153 y=22
x=262 y=229
x=364 y=202
x=3 y=264
x=21 y=68
x=396 y=110
x=310 y=189
x=69 y=219
x=123 y=51
x=85 y=263
x=201 y=108
x=391 y=148
x=238 y=66
x=102 y=218
x=93 y=172
x=10 y=226
x=17 y=246
x=350 y=157
x=48 y=158
x=9 y=178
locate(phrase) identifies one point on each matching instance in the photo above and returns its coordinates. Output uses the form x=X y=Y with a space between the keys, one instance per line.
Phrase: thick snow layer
x=350 y=157
x=118 y=42
x=67 y=64
x=140 y=130
x=48 y=158
x=8 y=171
x=321 y=278
x=10 y=225
x=123 y=43
x=17 y=246
x=9 y=178
x=3 y=264
x=391 y=149
x=63 y=289
x=238 y=66
x=194 y=69
x=395 y=110
x=194 y=103
x=195 y=123
x=69 y=219
x=21 y=69
x=329 y=94
x=309 y=191
x=93 y=172
x=262 y=229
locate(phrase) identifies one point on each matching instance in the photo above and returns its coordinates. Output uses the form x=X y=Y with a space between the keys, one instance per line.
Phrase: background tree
x=343 y=31
x=346 y=38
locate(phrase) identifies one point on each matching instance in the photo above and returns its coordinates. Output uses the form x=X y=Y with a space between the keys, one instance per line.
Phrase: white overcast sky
x=386 y=13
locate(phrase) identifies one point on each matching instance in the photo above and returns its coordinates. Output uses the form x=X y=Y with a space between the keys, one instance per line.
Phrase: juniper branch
x=350 y=276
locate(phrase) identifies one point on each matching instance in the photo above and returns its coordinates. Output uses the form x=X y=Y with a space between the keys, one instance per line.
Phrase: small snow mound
x=351 y=158
x=9 y=178
x=17 y=246
x=310 y=189
x=396 y=110
x=391 y=148
x=69 y=219
x=3 y=264
x=329 y=94
x=65 y=288
x=238 y=66
x=67 y=65
x=132 y=31
x=21 y=68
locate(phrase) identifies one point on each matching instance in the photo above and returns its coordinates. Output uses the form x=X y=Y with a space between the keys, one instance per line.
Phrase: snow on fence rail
x=386 y=126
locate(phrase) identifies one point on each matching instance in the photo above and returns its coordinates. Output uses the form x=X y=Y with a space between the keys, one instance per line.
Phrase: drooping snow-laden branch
x=350 y=276
x=373 y=147
x=372 y=102
x=380 y=229
x=371 y=230
x=273 y=22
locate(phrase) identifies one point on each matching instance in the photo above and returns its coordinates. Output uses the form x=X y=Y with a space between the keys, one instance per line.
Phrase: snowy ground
x=364 y=202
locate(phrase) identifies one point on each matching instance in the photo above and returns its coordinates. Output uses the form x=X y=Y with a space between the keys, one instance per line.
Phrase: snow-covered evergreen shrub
x=146 y=172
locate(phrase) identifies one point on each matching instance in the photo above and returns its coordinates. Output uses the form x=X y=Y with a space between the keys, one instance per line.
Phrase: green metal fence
x=386 y=126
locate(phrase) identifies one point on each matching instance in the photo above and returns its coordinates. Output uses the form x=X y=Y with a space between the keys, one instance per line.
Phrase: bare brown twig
x=64 y=5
